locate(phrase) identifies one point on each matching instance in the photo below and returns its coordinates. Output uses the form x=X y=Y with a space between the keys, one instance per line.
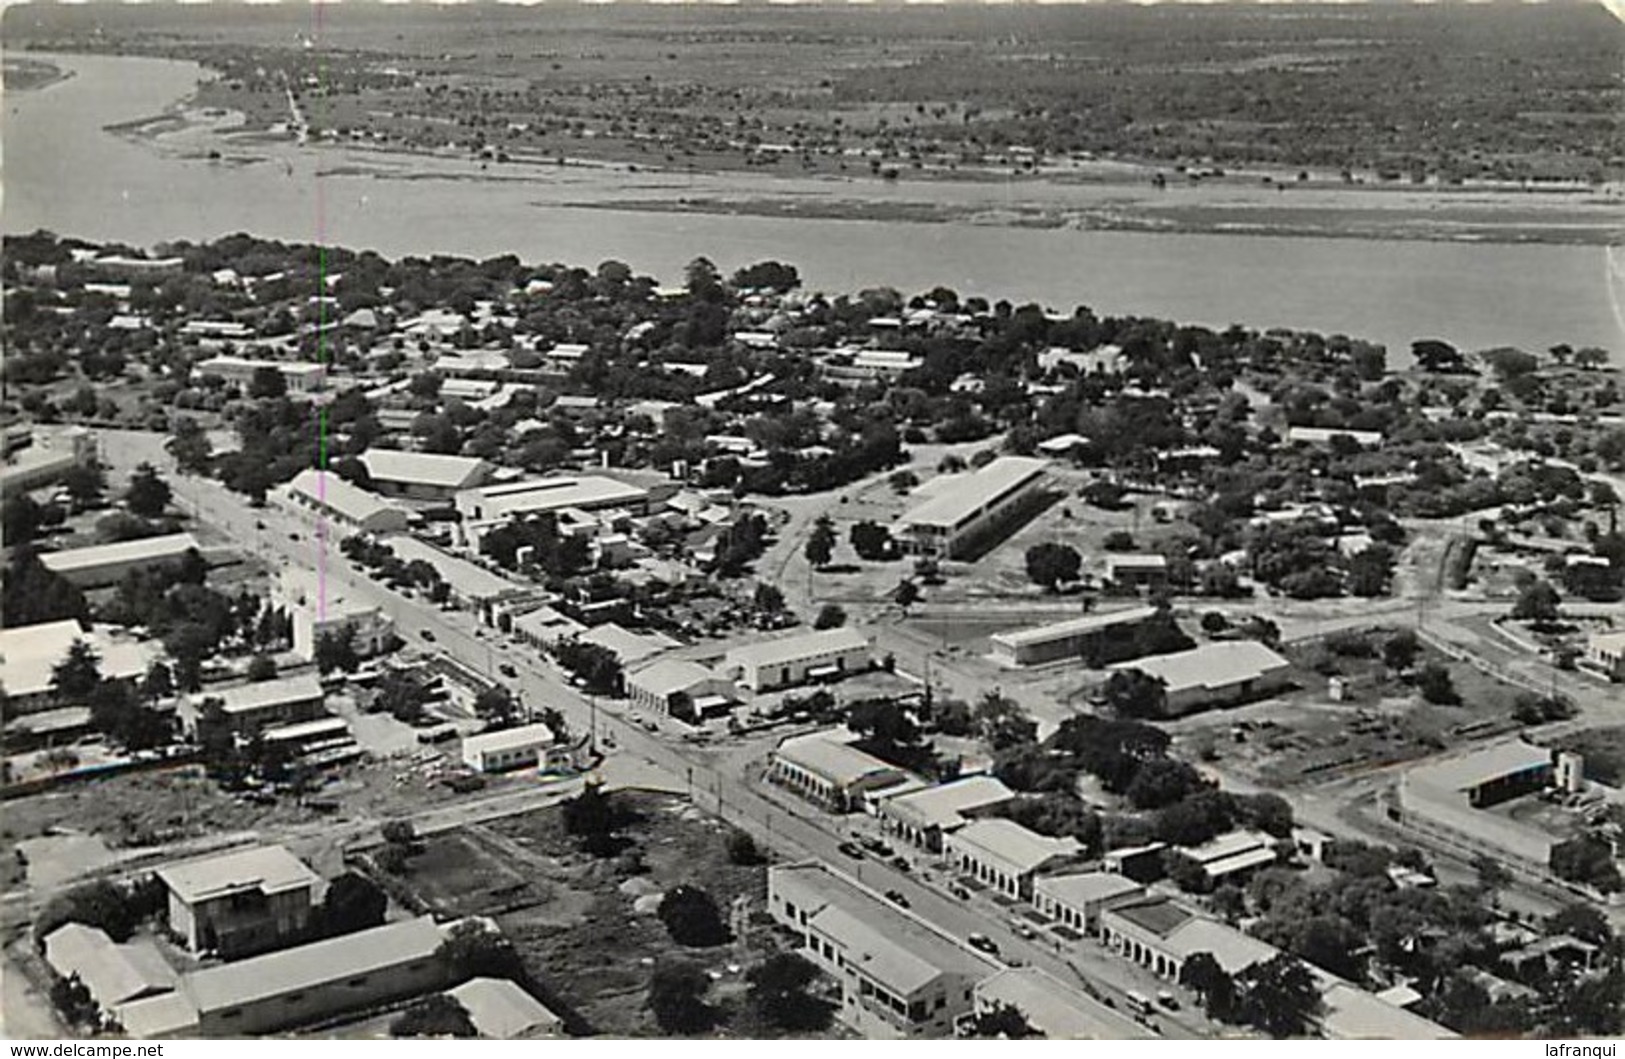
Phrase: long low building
x=923 y=817
x=962 y=511
x=1078 y=899
x=1064 y=639
x=1053 y=1008
x=899 y=977
x=106 y=564
x=29 y=655
x=248 y=708
x=300 y=376
x=1006 y=856
x=538 y=496
x=823 y=769
x=38 y=456
x=423 y=475
x=793 y=660
x=350 y=506
x=528 y=746
x=1214 y=674
x=663 y=684
x=1446 y=800
x=294 y=987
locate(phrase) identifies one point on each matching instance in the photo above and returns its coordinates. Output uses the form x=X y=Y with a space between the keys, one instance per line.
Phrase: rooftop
x=957 y=500
x=501 y=1010
x=628 y=646
x=1234 y=950
x=669 y=675
x=509 y=739
x=1086 y=888
x=153 y=549
x=1013 y=844
x=29 y=654
x=1351 y=1014
x=1054 y=1008
x=1481 y=766
x=331 y=491
x=245 y=698
x=113 y=973
x=884 y=942
x=1213 y=665
x=821 y=754
x=794 y=648
x=466 y=579
x=548 y=494
x=314 y=965
x=1228 y=844
x=1073 y=626
x=423 y=468
x=271 y=869
x=1158 y=915
x=944 y=806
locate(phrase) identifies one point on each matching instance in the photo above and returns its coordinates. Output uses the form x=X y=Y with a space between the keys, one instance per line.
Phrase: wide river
x=63 y=171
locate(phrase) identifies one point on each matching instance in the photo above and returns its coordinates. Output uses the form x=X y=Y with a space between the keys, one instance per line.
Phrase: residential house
x=241 y=902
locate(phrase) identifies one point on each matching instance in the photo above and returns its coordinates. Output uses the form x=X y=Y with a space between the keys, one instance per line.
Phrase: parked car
x=1168 y=1000
x=507 y=669
x=851 y=849
x=896 y=897
x=427 y=635
x=1022 y=929
x=983 y=943
x=900 y=863
x=959 y=892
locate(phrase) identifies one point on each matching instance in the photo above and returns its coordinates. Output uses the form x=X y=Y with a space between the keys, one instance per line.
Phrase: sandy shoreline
x=1104 y=197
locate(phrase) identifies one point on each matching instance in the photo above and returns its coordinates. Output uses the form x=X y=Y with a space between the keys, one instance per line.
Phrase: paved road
x=799 y=832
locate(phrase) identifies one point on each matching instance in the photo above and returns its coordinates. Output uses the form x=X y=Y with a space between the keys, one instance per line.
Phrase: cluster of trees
x=544 y=548
x=392 y=570
x=127 y=713
x=1278 y=996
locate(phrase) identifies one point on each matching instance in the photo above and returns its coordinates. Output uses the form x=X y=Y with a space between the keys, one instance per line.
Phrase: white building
x=106 y=564
x=113 y=973
x=794 y=660
x=1005 y=855
x=423 y=475
x=1232 y=854
x=1065 y=639
x=1053 y=1008
x=491 y=505
x=29 y=655
x=355 y=510
x=42 y=456
x=1445 y=801
x=923 y=817
x=1605 y=653
x=1322 y=436
x=299 y=375
x=240 y=902
x=656 y=686
x=319 y=609
x=1077 y=900
x=823 y=769
x=964 y=508
x=529 y=746
x=248 y=708
x=1223 y=673
x=899 y=977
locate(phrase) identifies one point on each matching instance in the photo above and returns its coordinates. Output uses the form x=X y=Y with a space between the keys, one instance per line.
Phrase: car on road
x=507 y=669
x=1023 y=929
x=900 y=863
x=851 y=849
x=293 y=536
x=650 y=726
x=258 y=524
x=959 y=892
x=1168 y=1000
x=983 y=943
x=427 y=635
x=896 y=897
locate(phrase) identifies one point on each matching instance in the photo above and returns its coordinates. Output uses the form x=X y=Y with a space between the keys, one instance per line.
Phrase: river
x=64 y=171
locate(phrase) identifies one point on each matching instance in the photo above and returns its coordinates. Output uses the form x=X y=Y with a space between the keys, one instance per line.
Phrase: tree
x=1203 y=975
x=1162 y=781
x=98 y=904
x=86 y=484
x=1537 y=602
x=590 y=817
x=1491 y=874
x=335 y=650
x=72 y=999
x=1271 y=814
x=20 y=520
x=906 y=594
x=1002 y=1021
x=159 y=683
x=1049 y=564
x=1436 y=686
x=677 y=991
x=261 y=667
x=267 y=382
x=742 y=849
x=768 y=598
x=1132 y=693
x=1279 y=996
x=438 y=1015
x=1002 y=723
x=692 y=918
x=353 y=902
x=871 y=540
x=473 y=950
x=821 y=544
x=1583 y=920
x=496 y=706
x=778 y=990
x=1399 y=651
x=78 y=674
x=830 y=616
x=1586 y=859
x=147 y=494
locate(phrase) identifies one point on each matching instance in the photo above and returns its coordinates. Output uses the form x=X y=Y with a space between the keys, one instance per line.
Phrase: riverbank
x=30 y=75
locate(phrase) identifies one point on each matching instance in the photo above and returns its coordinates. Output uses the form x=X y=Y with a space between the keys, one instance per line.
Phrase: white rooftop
x=154 y=549
x=944 y=806
x=331 y=491
x=794 y=648
x=509 y=739
x=1481 y=766
x=263 y=694
x=669 y=675
x=501 y=1010
x=271 y=869
x=1054 y=1008
x=1058 y=630
x=955 y=501
x=29 y=654
x=465 y=578
x=1086 y=888
x=423 y=468
x=1213 y=665
x=822 y=754
x=1014 y=845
